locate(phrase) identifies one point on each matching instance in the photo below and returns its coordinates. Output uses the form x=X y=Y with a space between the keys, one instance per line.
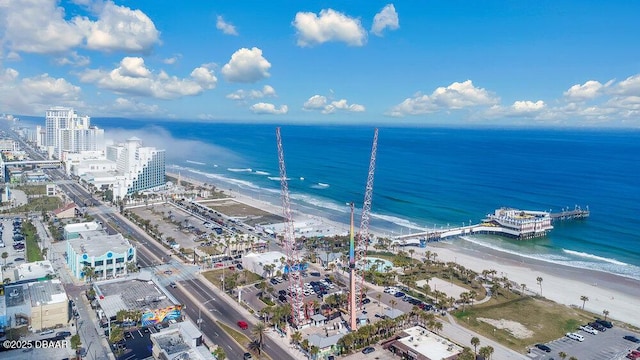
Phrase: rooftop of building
x=64 y=208
x=130 y=294
x=428 y=344
x=80 y=227
x=35 y=293
x=47 y=292
x=266 y=257
x=97 y=244
x=323 y=342
x=33 y=270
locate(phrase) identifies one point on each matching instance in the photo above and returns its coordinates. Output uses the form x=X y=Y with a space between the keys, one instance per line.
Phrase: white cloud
x=37 y=26
x=134 y=78
x=315 y=102
x=266 y=108
x=239 y=95
x=246 y=66
x=319 y=102
x=589 y=90
x=331 y=25
x=225 y=27
x=387 y=18
x=73 y=59
x=35 y=94
x=172 y=60
x=527 y=106
x=48 y=31
x=520 y=108
x=455 y=96
x=120 y=28
x=628 y=86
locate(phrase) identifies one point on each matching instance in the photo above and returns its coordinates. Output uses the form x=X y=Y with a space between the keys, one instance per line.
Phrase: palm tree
x=539 y=280
x=296 y=337
x=584 y=299
x=314 y=351
x=393 y=303
x=486 y=351
x=562 y=355
x=259 y=330
x=89 y=272
x=475 y=342
x=379 y=296
x=605 y=313
x=5 y=255
x=437 y=326
x=523 y=286
x=573 y=358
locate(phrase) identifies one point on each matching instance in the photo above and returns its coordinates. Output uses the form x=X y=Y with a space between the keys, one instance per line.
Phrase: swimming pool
x=378 y=264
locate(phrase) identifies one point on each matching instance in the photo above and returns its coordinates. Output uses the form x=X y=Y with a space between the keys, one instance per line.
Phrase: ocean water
x=433 y=177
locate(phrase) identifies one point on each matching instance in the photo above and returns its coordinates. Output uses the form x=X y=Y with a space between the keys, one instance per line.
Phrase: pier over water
x=513 y=223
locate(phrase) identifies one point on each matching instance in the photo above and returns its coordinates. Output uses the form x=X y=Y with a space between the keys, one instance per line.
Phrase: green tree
x=475 y=341
x=89 y=273
x=584 y=299
x=116 y=334
x=76 y=343
x=314 y=351
x=573 y=358
x=5 y=255
x=219 y=353
x=466 y=354
x=562 y=355
x=258 y=331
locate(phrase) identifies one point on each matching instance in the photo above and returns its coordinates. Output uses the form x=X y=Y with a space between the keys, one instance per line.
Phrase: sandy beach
x=562 y=284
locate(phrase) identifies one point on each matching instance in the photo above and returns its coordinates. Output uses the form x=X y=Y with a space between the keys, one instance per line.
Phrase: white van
x=575 y=336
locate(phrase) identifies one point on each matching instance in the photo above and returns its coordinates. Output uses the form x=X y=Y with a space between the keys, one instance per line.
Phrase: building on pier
x=521 y=224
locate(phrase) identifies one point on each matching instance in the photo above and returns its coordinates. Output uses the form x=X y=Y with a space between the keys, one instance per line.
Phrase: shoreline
x=562 y=284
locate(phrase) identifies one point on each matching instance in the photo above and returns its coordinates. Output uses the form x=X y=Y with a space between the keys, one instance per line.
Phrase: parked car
x=46 y=332
x=368 y=350
x=575 y=336
x=631 y=338
x=605 y=323
x=543 y=347
x=588 y=329
x=63 y=334
x=597 y=326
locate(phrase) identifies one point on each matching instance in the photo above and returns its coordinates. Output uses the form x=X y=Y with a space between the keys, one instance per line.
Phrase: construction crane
x=293 y=263
x=362 y=239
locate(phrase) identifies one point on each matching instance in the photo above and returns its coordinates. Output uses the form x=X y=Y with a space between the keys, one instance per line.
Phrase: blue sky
x=462 y=63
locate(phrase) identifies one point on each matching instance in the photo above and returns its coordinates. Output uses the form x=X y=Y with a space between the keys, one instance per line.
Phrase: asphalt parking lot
x=608 y=345
x=15 y=256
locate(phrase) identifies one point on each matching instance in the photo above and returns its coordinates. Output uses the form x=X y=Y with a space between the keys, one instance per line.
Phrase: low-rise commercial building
x=418 y=343
x=139 y=294
x=182 y=340
x=38 y=305
x=108 y=256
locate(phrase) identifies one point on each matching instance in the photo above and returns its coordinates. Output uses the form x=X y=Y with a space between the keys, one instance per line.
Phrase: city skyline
x=390 y=63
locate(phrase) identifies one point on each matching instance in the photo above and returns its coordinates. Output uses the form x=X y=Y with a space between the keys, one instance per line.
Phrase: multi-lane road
x=198 y=297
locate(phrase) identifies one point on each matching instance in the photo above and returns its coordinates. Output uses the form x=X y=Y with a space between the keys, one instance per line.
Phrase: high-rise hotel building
x=139 y=168
x=66 y=131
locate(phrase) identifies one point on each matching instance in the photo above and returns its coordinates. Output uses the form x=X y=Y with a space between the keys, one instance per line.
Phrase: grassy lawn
x=31 y=243
x=38 y=204
x=546 y=319
x=243 y=277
